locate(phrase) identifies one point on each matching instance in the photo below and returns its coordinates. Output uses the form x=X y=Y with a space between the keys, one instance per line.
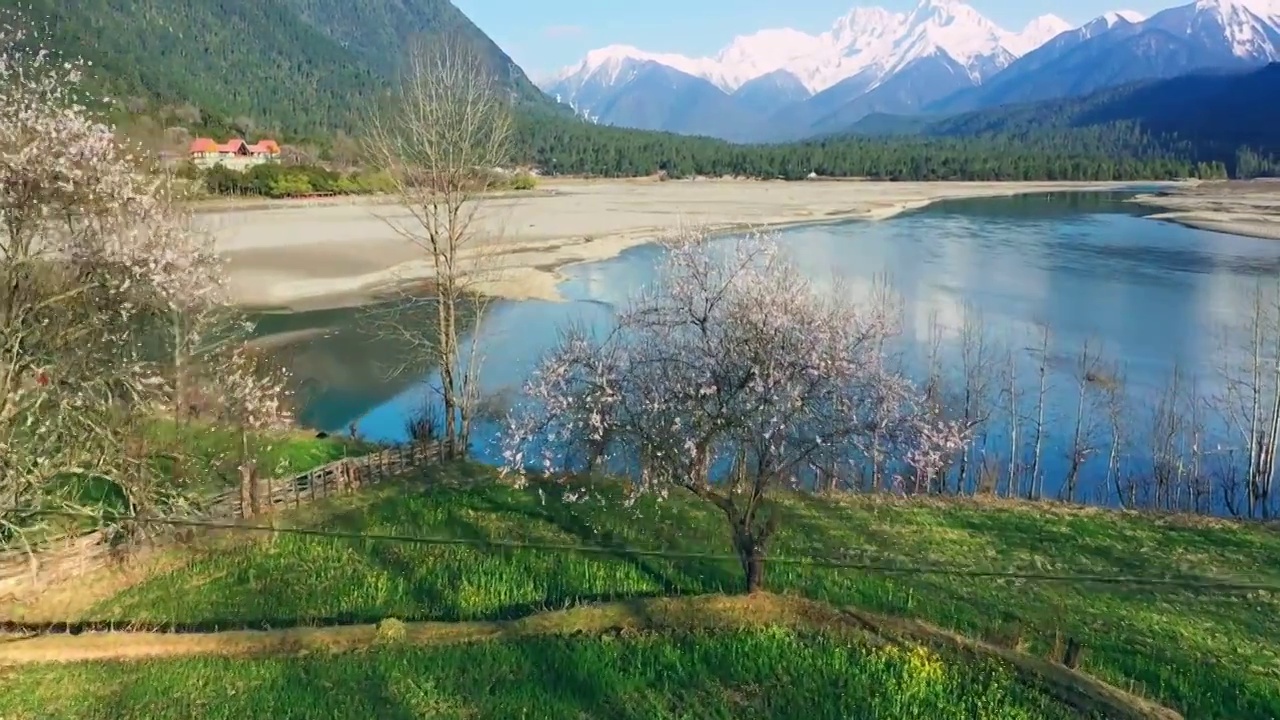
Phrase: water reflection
x=1152 y=295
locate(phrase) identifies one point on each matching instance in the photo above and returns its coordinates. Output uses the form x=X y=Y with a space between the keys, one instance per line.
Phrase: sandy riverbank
x=1250 y=208
x=334 y=254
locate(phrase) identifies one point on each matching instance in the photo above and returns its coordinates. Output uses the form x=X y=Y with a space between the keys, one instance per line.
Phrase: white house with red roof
x=235 y=153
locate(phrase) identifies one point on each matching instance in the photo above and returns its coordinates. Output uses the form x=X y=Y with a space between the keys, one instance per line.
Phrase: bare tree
x=1167 y=439
x=1249 y=369
x=1036 y=490
x=977 y=364
x=732 y=357
x=1198 y=488
x=1012 y=394
x=935 y=397
x=447 y=130
x=1118 y=419
x=1091 y=378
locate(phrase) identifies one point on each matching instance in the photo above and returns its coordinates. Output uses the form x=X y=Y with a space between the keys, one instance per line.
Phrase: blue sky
x=544 y=35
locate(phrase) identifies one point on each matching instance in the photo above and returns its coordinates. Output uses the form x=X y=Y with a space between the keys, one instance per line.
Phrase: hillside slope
x=295 y=66
x=1206 y=652
x=1213 y=114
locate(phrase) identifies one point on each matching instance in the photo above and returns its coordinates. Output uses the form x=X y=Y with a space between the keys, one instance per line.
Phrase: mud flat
x=342 y=254
x=1239 y=207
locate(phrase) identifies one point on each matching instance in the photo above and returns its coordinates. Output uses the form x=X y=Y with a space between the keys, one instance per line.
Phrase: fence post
x=248 y=491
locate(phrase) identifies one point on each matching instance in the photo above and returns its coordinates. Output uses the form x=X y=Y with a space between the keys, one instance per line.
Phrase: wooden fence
x=23 y=574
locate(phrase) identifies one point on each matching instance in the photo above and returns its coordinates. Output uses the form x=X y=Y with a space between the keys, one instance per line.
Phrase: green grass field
x=210 y=452
x=1207 y=654
x=767 y=672
x=201 y=459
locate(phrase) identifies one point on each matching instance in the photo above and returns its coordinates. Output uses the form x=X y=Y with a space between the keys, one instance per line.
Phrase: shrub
x=524 y=181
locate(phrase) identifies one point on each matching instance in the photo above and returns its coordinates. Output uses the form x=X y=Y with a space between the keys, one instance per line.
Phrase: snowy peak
x=1246 y=29
x=752 y=56
x=866 y=39
x=1111 y=19
x=1037 y=32
x=938 y=54
x=611 y=65
x=952 y=27
x=863 y=29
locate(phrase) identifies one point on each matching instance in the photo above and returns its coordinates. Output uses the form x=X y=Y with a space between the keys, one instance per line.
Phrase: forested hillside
x=298 y=67
x=1227 y=117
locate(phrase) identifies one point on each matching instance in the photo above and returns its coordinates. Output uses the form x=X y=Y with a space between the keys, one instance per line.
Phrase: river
x=1148 y=296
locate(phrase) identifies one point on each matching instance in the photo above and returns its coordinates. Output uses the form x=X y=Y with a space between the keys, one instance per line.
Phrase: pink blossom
x=731 y=352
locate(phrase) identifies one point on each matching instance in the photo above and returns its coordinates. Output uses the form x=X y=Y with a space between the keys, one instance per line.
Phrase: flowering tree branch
x=94 y=248
x=731 y=360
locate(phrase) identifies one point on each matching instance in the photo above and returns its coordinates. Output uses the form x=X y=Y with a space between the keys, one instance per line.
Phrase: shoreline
x=1248 y=208
x=334 y=255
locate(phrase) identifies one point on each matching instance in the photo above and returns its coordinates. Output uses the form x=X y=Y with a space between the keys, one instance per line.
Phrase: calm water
x=1151 y=295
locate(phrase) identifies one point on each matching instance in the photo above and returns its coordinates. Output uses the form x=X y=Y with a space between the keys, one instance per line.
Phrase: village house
x=235 y=154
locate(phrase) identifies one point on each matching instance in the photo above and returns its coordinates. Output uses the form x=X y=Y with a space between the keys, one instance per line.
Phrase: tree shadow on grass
x=677 y=576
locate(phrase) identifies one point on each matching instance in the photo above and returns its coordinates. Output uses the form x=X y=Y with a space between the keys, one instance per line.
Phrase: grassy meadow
x=1207 y=654
x=762 y=672
x=199 y=459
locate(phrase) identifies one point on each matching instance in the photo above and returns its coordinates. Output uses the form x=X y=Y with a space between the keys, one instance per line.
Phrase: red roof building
x=236 y=149
x=200 y=146
x=265 y=147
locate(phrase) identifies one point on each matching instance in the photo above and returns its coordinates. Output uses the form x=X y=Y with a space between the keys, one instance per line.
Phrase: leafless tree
x=1117 y=413
x=1036 y=490
x=1166 y=435
x=449 y=126
x=1249 y=369
x=1012 y=395
x=187 y=113
x=977 y=364
x=935 y=397
x=1091 y=378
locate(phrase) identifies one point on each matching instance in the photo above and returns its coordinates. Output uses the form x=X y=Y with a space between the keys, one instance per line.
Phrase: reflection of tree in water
x=342 y=364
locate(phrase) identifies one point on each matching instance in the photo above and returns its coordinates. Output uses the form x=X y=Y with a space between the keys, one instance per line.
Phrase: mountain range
x=942 y=57
x=305 y=71
x=1217 y=113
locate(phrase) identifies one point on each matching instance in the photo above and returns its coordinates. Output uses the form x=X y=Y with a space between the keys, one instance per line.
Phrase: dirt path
x=699 y=613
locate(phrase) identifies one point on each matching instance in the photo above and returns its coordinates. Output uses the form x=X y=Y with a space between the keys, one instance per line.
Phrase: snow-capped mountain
x=1122 y=48
x=941 y=57
x=866 y=37
x=869 y=43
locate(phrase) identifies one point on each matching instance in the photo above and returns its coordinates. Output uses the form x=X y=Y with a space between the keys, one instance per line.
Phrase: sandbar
x=1238 y=207
x=333 y=254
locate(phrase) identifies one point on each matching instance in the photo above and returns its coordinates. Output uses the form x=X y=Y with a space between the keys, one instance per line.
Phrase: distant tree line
x=280 y=180
x=566 y=147
x=557 y=146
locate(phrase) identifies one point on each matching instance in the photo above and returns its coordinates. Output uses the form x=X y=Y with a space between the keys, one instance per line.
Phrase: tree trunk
x=1037 y=477
x=751 y=555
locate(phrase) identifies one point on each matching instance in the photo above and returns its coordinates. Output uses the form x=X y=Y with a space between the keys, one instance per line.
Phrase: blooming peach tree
x=727 y=378
x=94 y=248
